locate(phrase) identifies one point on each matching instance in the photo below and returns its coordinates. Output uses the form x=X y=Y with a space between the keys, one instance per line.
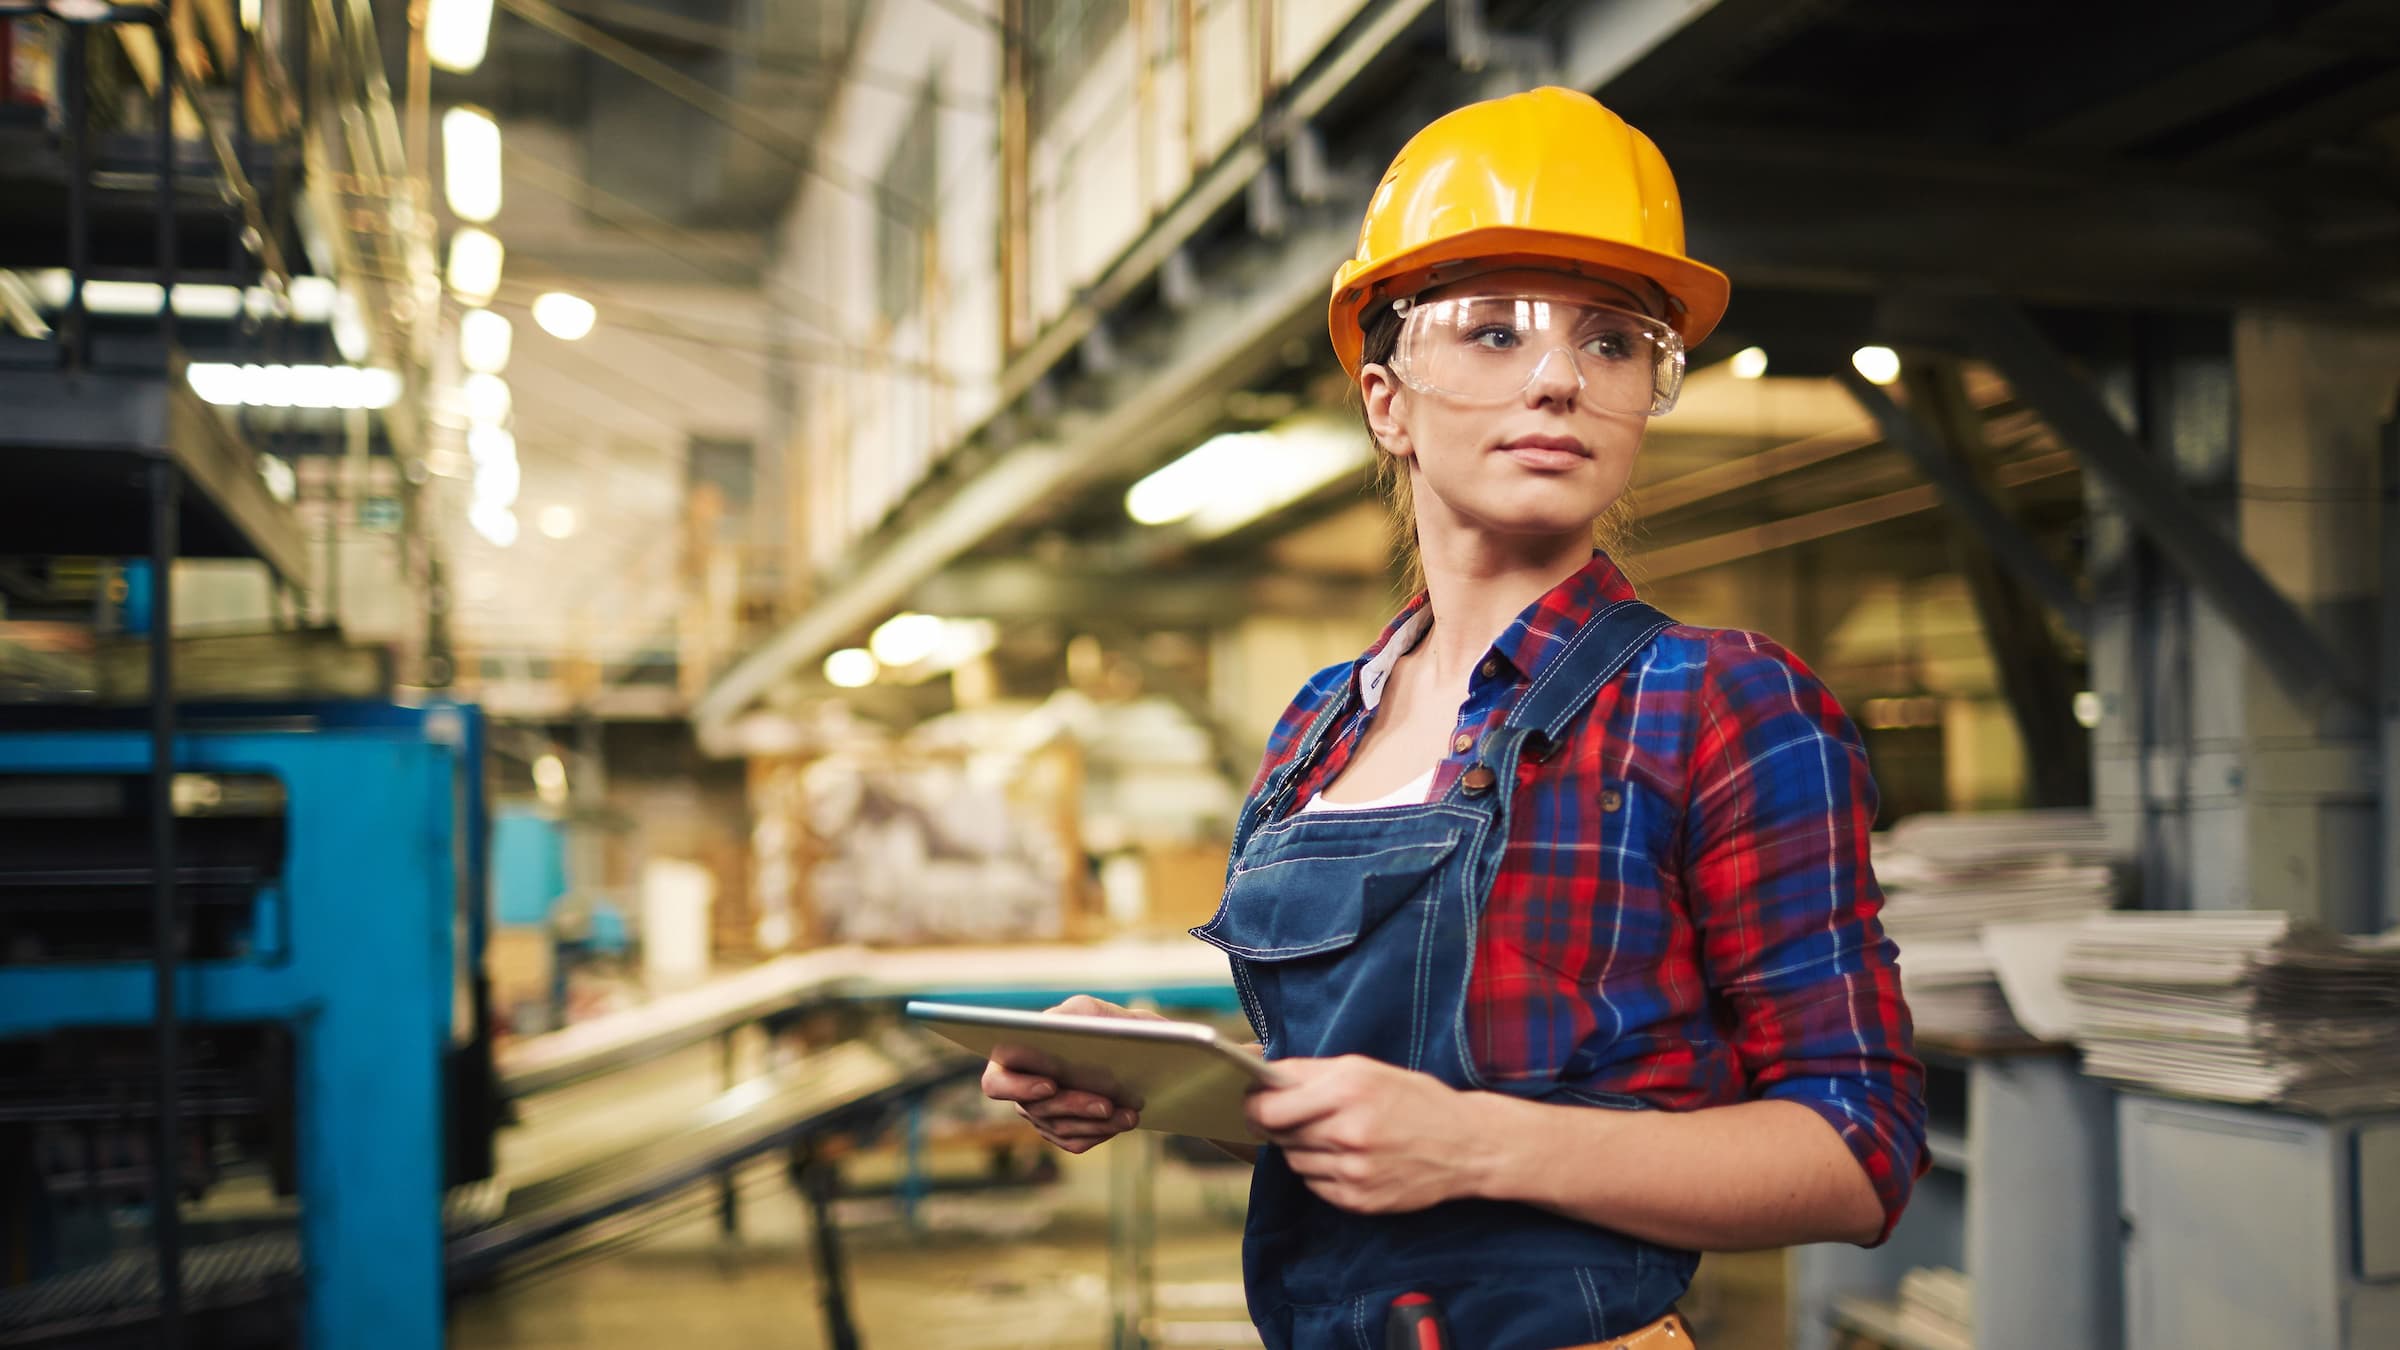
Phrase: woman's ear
x=1386 y=402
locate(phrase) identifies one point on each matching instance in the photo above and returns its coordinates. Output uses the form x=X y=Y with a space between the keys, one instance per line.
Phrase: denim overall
x=1353 y=932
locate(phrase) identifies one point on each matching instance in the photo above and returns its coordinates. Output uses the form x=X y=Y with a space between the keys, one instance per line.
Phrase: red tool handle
x=1415 y=1323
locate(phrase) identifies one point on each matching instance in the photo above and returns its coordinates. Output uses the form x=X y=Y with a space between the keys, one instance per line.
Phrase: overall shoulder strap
x=1592 y=657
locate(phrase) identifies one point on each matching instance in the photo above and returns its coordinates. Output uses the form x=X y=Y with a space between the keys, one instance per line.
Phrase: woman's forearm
x=1729 y=1178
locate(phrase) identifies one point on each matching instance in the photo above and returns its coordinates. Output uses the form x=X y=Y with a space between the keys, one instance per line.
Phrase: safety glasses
x=1491 y=349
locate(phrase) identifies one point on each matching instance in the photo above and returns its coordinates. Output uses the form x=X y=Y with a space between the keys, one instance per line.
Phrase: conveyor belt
x=1177 y=973
x=847 y=1084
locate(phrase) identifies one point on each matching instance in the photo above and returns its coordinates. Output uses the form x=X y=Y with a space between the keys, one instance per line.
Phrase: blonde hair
x=1612 y=532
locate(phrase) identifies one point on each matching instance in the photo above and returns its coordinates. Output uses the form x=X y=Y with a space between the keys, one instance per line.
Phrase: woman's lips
x=1546 y=453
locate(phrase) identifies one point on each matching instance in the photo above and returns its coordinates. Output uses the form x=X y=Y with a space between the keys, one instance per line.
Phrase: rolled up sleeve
x=1785 y=901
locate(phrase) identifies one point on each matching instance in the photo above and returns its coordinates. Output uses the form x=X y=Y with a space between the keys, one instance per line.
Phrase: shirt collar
x=1545 y=625
x=1526 y=644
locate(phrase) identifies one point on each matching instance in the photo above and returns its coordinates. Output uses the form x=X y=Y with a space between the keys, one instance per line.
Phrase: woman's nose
x=1555 y=379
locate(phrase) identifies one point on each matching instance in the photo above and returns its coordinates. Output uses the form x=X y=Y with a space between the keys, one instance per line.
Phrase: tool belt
x=1667 y=1333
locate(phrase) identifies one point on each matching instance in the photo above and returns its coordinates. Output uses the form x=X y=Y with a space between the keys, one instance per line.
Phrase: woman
x=1557 y=914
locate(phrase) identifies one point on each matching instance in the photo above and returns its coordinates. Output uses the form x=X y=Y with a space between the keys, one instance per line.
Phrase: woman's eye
x=1493 y=337
x=1615 y=345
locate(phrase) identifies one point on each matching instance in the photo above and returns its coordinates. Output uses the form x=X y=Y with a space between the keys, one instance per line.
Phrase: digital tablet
x=1181 y=1076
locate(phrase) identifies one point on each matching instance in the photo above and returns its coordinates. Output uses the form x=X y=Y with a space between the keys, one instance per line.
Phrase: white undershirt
x=1408 y=794
x=1370 y=692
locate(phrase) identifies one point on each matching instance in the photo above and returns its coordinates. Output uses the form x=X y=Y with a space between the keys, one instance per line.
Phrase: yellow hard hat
x=1545 y=178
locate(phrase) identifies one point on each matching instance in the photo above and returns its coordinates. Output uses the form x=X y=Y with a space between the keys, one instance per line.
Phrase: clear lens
x=1492 y=349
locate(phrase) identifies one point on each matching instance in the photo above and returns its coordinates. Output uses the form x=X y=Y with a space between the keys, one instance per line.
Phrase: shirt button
x=1463 y=742
x=1611 y=799
x=1478 y=780
x=1491 y=667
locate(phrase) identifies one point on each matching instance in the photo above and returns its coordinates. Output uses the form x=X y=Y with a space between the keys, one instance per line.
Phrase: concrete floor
x=1019 y=1269
x=1001 y=1271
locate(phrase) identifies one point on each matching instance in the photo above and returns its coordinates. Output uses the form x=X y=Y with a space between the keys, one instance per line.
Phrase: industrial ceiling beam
x=1955 y=482
x=1016 y=591
x=1811 y=212
x=2278 y=634
x=1222 y=343
x=1750 y=541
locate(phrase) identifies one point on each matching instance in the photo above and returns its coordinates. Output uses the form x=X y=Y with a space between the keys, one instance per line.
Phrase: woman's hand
x=1073 y=1120
x=1369 y=1137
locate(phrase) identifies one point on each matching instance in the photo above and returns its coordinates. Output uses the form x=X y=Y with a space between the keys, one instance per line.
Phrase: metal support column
x=1132 y=1227
x=729 y=1191
x=2275 y=630
x=75 y=328
x=166 y=1186
x=2388 y=679
x=818 y=1181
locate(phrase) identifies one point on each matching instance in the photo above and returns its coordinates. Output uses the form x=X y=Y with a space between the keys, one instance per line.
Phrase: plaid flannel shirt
x=1686 y=913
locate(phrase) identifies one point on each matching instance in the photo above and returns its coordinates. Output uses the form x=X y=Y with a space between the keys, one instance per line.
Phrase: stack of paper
x=2242 y=1007
x=1948 y=879
x=1937 y=1308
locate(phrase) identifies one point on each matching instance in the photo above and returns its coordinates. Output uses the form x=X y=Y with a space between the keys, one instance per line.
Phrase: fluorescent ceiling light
x=557 y=521
x=490 y=443
x=1749 y=363
x=471 y=163
x=487 y=399
x=563 y=316
x=1233 y=479
x=230 y=386
x=475 y=261
x=906 y=639
x=314 y=299
x=350 y=335
x=457 y=32
x=550 y=780
x=497 y=524
x=497 y=480
x=851 y=668
x=1881 y=365
x=484 y=341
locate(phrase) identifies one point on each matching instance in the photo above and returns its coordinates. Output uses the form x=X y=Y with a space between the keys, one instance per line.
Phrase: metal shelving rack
x=131 y=463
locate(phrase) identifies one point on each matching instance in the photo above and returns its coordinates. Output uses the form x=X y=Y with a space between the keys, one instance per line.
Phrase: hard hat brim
x=1700 y=291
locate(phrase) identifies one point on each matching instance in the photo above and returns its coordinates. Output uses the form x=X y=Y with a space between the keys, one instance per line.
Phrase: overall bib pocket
x=1298 y=907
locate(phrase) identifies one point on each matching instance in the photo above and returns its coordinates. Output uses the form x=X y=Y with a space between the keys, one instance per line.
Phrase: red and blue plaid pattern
x=1685 y=913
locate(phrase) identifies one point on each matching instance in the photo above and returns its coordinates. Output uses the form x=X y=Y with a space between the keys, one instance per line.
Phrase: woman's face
x=1542 y=463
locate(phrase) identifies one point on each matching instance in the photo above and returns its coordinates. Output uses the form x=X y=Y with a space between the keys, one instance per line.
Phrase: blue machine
x=356 y=941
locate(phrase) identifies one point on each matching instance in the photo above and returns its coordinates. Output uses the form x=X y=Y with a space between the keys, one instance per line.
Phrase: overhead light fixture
x=557 y=521
x=489 y=443
x=471 y=163
x=851 y=668
x=550 y=780
x=1749 y=363
x=497 y=524
x=311 y=299
x=1881 y=365
x=905 y=639
x=497 y=480
x=475 y=260
x=487 y=398
x=231 y=386
x=484 y=339
x=350 y=335
x=1235 y=478
x=568 y=318
x=457 y=33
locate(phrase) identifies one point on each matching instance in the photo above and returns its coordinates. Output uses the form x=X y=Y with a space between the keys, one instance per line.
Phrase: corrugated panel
x=1303 y=27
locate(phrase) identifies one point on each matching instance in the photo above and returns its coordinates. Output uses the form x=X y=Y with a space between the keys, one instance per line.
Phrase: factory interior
x=563 y=561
